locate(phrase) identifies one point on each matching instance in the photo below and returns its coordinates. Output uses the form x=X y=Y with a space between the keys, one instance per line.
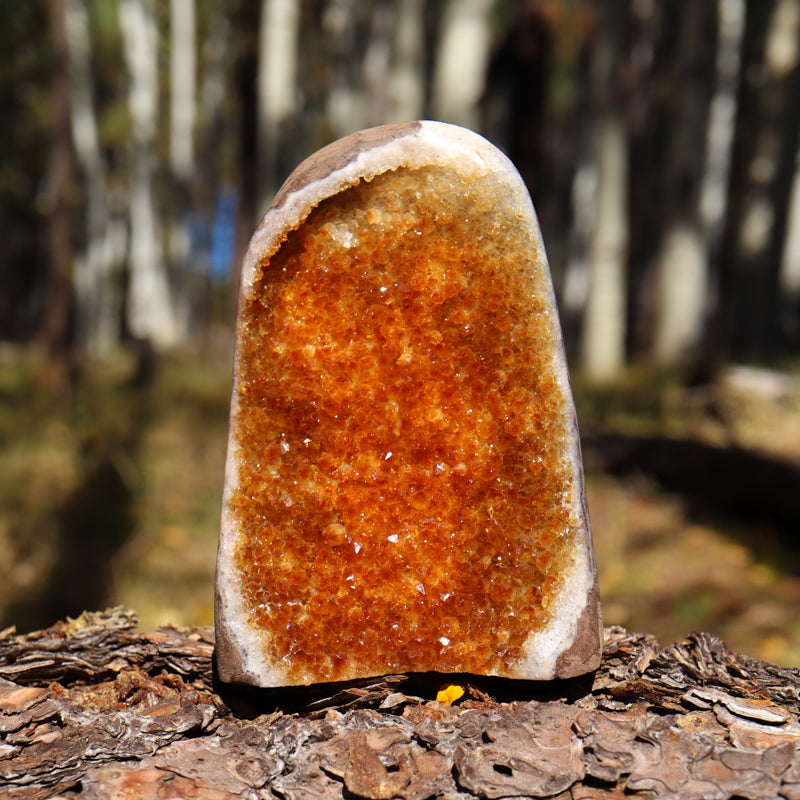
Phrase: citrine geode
x=403 y=487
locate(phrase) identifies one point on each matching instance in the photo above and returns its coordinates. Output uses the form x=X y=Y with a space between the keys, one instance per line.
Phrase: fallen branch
x=90 y=708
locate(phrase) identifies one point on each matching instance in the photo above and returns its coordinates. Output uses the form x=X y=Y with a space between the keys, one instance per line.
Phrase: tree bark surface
x=91 y=708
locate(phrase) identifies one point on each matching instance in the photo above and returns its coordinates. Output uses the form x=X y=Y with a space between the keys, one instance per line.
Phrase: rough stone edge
x=585 y=652
x=361 y=156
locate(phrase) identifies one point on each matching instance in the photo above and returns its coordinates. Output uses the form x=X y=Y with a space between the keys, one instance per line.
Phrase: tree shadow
x=95 y=520
x=758 y=496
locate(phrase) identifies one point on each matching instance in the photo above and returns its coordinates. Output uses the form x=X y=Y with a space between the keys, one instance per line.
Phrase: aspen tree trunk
x=575 y=286
x=277 y=89
x=682 y=261
x=182 y=87
x=94 y=297
x=790 y=264
x=604 y=323
x=407 y=79
x=462 y=61
x=215 y=79
x=767 y=130
x=58 y=301
x=722 y=120
x=150 y=312
x=394 y=69
x=790 y=259
x=181 y=152
x=377 y=66
x=346 y=104
x=681 y=292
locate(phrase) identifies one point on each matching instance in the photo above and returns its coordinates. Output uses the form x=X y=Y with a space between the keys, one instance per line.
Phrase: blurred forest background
x=142 y=139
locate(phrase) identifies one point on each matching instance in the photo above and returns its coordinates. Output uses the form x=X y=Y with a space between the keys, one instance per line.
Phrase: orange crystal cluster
x=403 y=492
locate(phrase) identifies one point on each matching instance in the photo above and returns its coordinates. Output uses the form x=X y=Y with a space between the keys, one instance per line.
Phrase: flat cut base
x=404 y=491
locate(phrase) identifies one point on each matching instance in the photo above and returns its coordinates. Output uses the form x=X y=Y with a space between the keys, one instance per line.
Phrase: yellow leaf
x=449 y=693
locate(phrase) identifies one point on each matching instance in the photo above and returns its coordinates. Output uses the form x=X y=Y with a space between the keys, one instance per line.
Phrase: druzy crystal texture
x=403 y=487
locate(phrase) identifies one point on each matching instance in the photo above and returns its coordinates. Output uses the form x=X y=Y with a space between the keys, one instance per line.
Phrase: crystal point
x=403 y=486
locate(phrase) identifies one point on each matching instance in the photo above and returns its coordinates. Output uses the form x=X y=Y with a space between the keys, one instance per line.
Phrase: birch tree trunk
x=462 y=61
x=277 y=88
x=377 y=65
x=603 y=335
x=790 y=258
x=682 y=292
x=790 y=264
x=181 y=153
x=394 y=68
x=767 y=131
x=150 y=313
x=575 y=286
x=721 y=120
x=182 y=88
x=407 y=79
x=94 y=296
x=346 y=104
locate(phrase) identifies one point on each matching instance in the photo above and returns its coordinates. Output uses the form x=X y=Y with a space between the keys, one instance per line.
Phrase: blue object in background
x=223 y=235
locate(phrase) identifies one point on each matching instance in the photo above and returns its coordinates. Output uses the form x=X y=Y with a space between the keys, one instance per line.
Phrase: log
x=91 y=708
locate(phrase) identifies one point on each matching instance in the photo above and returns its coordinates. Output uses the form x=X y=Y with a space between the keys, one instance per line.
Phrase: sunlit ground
x=663 y=573
x=110 y=493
